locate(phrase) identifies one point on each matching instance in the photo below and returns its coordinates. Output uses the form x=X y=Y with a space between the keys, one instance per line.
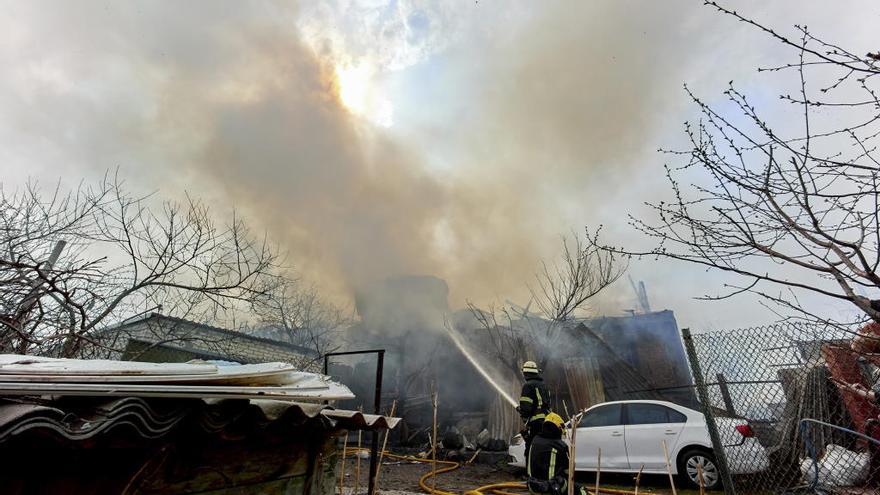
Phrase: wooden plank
x=584 y=382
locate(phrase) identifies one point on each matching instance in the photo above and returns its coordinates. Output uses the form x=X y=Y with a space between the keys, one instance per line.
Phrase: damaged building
x=603 y=359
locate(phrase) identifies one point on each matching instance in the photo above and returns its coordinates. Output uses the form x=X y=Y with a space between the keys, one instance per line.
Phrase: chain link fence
x=806 y=396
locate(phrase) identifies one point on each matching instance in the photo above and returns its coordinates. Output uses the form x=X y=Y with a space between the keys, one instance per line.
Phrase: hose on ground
x=494 y=488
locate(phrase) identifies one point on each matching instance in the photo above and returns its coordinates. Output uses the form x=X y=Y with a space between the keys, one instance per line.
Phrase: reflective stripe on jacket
x=533 y=399
x=547 y=464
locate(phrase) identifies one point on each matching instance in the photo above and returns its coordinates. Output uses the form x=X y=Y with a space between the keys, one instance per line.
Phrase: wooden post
x=357 y=464
x=669 y=468
x=599 y=469
x=700 y=477
x=434 y=438
x=342 y=469
x=572 y=450
x=639 y=478
x=382 y=452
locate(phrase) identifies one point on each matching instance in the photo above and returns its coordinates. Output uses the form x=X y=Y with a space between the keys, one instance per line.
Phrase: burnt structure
x=608 y=358
x=650 y=345
x=406 y=317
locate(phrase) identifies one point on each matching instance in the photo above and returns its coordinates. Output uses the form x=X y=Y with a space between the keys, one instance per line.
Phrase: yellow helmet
x=530 y=367
x=555 y=419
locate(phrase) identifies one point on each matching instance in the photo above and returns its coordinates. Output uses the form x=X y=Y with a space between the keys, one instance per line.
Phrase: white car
x=630 y=434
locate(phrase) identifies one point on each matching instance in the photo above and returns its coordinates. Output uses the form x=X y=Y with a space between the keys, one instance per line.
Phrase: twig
x=471 y=460
x=669 y=468
x=161 y=455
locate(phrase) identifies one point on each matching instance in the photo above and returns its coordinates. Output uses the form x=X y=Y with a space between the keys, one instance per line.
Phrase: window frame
x=626 y=414
x=621 y=420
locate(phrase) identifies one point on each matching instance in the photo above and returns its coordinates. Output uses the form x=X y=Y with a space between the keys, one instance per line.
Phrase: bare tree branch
x=117 y=257
x=792 y=207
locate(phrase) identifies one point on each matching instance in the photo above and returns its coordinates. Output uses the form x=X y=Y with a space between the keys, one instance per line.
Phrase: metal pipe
x=377 y=401
x=347 y=353
x=725 y=395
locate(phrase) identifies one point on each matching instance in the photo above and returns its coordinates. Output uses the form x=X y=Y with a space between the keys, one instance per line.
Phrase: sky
x=377 y=138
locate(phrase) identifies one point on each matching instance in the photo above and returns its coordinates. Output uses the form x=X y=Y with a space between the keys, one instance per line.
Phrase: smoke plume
x=515 y=126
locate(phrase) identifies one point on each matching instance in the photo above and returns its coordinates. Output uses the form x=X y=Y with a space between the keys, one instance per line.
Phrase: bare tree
x=560 y=290
x=793 y=209
x=584 y=270
x=71 y=263
x=296 y=314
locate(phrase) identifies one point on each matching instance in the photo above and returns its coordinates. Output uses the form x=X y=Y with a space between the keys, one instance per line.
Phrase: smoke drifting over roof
x=509 y=127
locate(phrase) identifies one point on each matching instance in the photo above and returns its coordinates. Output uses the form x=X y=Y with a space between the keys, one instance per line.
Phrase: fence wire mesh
x=807 y=395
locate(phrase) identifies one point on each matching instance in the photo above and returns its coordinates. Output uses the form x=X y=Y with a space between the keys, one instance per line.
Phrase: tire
x=687 y=469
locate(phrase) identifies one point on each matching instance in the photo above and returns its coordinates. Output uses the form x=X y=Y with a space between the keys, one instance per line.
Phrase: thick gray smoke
x=533 y=116
x=227 y=101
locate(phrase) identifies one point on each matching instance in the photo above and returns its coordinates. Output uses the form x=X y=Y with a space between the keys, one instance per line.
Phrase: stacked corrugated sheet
x=40 y=376
x=80 y=399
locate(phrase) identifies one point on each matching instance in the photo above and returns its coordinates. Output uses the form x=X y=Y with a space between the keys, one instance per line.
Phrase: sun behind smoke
x=361 y=94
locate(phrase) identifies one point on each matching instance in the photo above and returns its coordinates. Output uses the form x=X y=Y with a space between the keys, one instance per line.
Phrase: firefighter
x=533 y=405
x=547 y=461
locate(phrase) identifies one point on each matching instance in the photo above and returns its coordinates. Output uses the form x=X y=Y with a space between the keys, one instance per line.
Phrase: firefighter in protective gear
x=533 y=405
x=547 y=461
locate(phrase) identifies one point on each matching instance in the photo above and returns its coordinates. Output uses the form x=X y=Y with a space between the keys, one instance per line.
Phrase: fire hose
x=494 y=488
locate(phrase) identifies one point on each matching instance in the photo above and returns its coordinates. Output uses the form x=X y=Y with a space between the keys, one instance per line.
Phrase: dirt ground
x=404 y=476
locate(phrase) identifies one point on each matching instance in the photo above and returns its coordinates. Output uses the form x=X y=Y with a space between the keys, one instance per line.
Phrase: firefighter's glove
x=557 y=485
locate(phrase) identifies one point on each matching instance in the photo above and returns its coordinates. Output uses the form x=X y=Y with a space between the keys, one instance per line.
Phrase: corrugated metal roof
x=75 y=419
x=76 y=400
x=158 y=317
x=30 y=375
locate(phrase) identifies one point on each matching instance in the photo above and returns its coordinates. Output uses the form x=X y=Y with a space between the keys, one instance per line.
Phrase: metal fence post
x=377 y=402
x=725 y=395
x=706 y=406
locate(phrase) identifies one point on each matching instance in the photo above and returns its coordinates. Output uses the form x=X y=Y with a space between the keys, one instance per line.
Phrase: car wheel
x=689 y=468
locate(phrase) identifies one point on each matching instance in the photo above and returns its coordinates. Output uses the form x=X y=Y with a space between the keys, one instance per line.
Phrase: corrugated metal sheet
x=30 y=375
x=21 y=365
x=330 y=391
x=82 y=419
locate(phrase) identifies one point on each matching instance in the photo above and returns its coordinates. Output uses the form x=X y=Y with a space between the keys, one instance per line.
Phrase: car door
x=601 y=427
x=647 y=426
